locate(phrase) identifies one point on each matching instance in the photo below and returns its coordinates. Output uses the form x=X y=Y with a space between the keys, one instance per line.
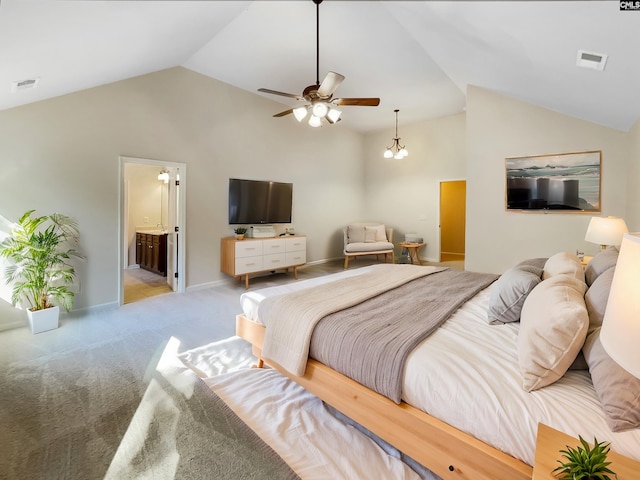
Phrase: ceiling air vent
x=596 y=61
x=25 y=84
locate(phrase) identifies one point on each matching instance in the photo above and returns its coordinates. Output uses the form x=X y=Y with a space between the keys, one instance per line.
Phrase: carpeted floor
x=93 y=400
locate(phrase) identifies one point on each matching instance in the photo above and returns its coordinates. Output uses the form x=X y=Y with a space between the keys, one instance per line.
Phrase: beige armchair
x=367 y=238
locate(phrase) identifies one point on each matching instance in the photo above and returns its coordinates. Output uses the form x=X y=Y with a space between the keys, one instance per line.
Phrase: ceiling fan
x=320 y=96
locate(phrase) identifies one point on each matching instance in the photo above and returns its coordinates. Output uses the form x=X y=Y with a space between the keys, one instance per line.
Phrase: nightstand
x=585 y=261
x=549 y=442
x=412 y=248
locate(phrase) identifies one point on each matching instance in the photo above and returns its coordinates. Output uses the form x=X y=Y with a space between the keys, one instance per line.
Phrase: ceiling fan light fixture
x=320 y=109
x=315 y=121
x=333 y=115
x=300 y=113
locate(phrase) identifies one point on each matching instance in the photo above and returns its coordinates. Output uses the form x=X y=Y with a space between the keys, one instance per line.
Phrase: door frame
x=123 y=251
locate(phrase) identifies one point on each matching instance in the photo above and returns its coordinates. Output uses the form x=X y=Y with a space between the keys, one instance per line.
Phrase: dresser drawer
x=273 y=262
x=248 y=248
x=296 y=244
x=296 y=258
x=248 y=265
x=273 y=246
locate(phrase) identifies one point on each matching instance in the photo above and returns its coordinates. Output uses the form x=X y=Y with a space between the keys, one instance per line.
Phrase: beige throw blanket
x=291 y=318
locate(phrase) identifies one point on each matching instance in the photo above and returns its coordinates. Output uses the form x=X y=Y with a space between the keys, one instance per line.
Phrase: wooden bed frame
x=443 y=449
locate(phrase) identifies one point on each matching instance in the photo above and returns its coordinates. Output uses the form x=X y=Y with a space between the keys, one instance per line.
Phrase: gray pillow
x=599 y=264
x=617 y=389
x=536 y=262
x=596 y=298
x=510 y=291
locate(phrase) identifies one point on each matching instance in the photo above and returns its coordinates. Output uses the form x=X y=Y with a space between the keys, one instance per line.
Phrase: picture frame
x=561 y=182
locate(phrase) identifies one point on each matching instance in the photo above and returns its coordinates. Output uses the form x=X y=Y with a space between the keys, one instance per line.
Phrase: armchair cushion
x=367 y=247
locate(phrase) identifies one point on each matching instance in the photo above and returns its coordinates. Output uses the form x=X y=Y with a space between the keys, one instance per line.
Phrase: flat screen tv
x=259 y=202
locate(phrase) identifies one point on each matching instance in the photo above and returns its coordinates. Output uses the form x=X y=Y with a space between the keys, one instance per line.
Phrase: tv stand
x=255 y=255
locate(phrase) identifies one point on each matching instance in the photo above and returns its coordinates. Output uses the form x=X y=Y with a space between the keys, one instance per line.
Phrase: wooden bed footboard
x=443 y=449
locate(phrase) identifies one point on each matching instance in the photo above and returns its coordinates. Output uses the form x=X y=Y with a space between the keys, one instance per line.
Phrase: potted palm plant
x=40 y=250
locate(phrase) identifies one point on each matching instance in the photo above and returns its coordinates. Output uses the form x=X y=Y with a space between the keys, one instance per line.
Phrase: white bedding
x=295 y=423
x=467 y=375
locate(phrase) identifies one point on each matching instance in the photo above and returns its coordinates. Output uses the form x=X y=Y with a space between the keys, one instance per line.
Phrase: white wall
x=500 y=127
x=633 y=180
x=405 y=194
x=62 y=155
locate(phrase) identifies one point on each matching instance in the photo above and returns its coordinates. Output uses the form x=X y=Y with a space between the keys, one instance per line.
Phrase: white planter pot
x=43 y=320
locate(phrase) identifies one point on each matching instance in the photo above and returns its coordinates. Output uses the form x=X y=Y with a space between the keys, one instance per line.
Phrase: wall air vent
x=26 y=84
x=596 y=61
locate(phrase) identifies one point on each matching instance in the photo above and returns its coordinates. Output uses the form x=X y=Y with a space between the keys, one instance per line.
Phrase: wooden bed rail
x=443 y=449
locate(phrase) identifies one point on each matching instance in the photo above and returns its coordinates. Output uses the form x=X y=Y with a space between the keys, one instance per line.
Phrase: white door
x=173 y=235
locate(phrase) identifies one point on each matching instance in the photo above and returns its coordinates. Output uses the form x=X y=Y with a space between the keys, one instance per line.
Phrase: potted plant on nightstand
x=240 y=231
x=40 y=249
x=585 y=462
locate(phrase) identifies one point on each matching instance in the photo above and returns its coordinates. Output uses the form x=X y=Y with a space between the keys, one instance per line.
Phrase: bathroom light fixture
x=396 y=150
x=164 y=176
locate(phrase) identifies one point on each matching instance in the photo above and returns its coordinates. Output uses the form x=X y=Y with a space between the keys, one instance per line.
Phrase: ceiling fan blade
x=329 y=84
x=361 y=102
x=282 y=114
x=282 y=94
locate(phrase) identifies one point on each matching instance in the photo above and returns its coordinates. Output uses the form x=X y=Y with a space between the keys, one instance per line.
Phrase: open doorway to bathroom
x=152 y=247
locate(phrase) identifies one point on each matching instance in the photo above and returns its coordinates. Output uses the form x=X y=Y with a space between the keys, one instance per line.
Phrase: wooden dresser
x=255 y=255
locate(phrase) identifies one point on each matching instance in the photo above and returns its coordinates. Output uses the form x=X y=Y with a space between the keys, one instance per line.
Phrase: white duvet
x=467 y=375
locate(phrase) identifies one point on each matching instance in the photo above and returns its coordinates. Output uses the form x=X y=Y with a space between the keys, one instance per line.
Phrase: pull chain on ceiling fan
x=320 y=95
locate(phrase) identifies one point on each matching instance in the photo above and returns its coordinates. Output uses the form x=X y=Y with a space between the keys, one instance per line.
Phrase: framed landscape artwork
x=563 y=182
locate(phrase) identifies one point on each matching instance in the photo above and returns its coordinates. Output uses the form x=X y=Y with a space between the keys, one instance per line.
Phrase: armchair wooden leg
x=346 y=262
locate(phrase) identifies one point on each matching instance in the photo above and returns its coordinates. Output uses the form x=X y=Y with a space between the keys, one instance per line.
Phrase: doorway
x=152 y=226
x=453 y=199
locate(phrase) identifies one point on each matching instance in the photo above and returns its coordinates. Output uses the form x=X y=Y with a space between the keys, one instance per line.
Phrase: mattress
x=467 y=375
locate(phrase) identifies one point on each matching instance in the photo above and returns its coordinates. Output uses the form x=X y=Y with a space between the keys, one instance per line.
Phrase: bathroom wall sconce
x=164 y=176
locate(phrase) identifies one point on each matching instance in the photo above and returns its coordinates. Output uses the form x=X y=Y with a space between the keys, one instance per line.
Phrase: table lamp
x=606 y=231
x=620 y=334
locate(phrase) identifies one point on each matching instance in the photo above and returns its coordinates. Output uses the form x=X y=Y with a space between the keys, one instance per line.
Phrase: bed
x=464 y=412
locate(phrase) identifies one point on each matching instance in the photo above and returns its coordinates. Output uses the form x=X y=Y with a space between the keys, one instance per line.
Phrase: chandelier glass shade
x=396 y=150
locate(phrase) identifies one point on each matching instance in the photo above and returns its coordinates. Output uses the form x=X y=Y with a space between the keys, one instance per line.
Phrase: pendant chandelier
x=396 y=150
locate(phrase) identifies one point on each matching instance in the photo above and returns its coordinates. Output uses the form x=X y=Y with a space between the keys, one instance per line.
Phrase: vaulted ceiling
x=417 y=56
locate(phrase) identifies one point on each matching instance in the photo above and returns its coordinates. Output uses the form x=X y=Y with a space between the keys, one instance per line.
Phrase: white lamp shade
x=320 y=109
x=300 y=113
x=315 y=121
x=620 y=334
x=606 y=230
x=388 y=154
x=334 y=115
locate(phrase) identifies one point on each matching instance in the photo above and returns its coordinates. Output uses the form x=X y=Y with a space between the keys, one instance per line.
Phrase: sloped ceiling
x=417 y=56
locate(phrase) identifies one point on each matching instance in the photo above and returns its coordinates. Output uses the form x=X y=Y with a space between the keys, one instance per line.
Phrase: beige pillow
x=553 y=326
x=563 y=263
x=380 y=232
x=355 y=233
x=369 y=234
x=617 y=389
